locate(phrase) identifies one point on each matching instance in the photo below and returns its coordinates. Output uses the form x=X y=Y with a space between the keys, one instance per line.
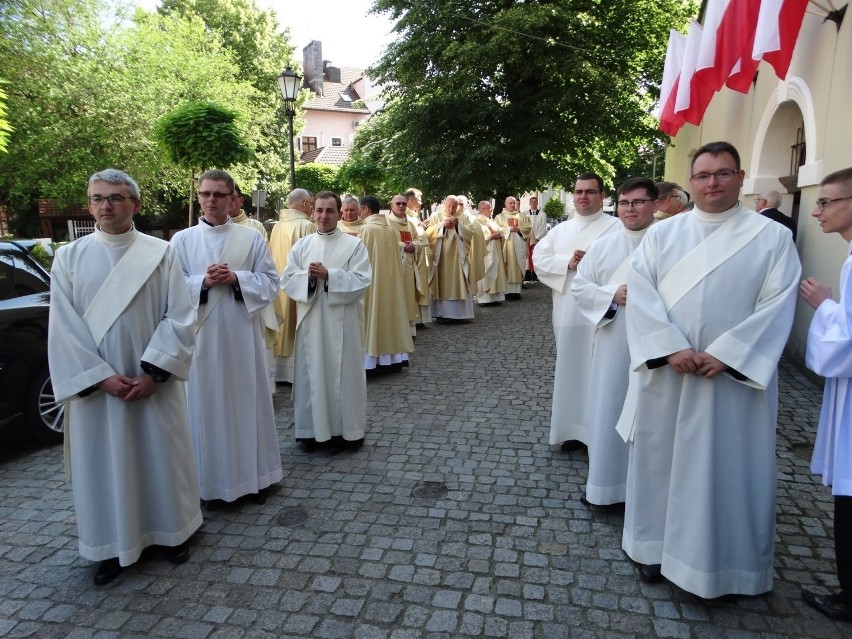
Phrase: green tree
x=317 y=177
x=104 y=91
x=252 y=38
x=5 y=129
x=366 y=171
x=201 y=135
x=499 y=97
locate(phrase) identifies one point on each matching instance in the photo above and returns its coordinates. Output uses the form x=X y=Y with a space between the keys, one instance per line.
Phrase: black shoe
x=585 y=501
x=834 y=606
x=571 y=445
x=339 y=445
x=177 y=554
x=650 y=573
x=308 y=444
x=108 y=570
x=261 y=495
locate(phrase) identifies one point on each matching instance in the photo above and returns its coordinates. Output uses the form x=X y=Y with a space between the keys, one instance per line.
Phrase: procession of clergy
x=673 y=393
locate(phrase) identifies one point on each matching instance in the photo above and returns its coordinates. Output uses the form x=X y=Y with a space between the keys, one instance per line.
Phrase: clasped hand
x=129 y=389
x=218 y=275
x=688 y=361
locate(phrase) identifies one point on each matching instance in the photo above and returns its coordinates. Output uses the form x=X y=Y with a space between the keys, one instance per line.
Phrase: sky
x=350 y=37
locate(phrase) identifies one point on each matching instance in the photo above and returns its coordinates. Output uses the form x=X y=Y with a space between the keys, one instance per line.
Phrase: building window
x=336 y=142
x=308 y=143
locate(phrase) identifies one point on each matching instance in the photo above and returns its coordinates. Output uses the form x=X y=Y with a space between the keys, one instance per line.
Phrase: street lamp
x=289 y=83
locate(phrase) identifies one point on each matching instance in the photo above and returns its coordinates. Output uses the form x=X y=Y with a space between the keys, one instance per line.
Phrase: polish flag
x=729 y=28
x=778 y=27
x=692 y=97
x=669 y=122
x=742 y=75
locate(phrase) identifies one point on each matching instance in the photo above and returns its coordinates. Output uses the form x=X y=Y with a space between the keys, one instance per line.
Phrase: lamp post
x=289 y=83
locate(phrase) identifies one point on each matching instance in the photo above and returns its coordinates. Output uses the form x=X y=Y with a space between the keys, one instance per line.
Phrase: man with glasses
x=829 y=347
x=232 y=279
x=767 y=204
x=293 y=224
x=415 y=277
x=387 y=340
x=238 y=215
x=600 y=290
x=557 y=257
x=120 y=338
x=671 y=202
x=712 y=296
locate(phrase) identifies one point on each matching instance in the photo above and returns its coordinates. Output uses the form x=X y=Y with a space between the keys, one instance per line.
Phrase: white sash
x=619 y=277
x=583 y=240
x=122 y=284
x=730 y=238
x=236 y=250
x=722 y=244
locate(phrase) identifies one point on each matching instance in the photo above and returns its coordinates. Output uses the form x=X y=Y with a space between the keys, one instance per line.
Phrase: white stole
x=122 y=284
x=589 y=234
x=236 y=250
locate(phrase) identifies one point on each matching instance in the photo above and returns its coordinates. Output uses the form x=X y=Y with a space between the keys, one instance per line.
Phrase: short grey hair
x=114 y=176
x=297 y=196
x=350 y=198
x=773 y=198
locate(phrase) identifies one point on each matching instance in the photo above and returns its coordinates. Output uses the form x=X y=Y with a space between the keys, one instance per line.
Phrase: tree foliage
x=86 y=84
x=497 y=97
x=317 y=177
x=201 y=135
x=5 y=129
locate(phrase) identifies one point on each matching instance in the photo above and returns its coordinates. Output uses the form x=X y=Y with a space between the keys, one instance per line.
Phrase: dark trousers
x=843 y=540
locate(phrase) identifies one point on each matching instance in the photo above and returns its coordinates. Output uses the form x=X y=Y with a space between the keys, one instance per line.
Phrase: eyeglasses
x=399 y=203
x=112 y=199
x=216 y=195
x=723 y=176
x=632 y=203
x=758 y=199
x=586 y=192
x=824 y=201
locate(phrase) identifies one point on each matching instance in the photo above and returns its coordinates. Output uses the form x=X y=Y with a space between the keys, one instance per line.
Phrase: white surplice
x=133 y=476
x=593 y=289
x=829 y=354
x=330 y=387
x=230 y=407
x=701 y=477
x=574 y=334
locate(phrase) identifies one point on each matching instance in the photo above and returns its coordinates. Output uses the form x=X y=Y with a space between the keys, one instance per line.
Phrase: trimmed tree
x=199 y=136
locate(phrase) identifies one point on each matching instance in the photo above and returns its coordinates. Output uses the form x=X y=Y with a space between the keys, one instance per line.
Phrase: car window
x=18 y=278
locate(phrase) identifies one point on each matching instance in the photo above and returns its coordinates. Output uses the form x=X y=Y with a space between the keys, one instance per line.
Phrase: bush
x=554 y=208
x=317 y=177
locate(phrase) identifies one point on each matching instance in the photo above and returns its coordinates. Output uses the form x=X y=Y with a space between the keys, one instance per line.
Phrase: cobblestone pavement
x=455 y=520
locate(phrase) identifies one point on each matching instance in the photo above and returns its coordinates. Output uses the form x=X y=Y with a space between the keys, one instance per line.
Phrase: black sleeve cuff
x=156 y=373
x=659 y=362
x=87 y=391
x=203 y=298
x=737 y=375
x=238 y=292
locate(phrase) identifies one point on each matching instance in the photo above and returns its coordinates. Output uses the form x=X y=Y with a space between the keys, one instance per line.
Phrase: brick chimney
x=312 y=65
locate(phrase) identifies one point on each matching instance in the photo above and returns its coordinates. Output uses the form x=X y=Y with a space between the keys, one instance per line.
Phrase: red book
x=405 y=236
x=513 y=222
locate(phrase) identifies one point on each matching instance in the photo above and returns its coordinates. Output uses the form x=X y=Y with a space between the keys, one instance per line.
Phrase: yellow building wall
x=816 y=96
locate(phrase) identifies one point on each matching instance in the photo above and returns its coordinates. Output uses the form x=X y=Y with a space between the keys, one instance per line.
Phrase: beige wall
x=817 y=96
x=324 y=125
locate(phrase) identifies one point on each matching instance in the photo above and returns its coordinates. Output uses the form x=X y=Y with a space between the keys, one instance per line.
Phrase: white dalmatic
x=574 y=334
x=133 y=477
x=601 y=272
x=701 y=476
x=829 y=354
x=230 y=407
x=330 y=387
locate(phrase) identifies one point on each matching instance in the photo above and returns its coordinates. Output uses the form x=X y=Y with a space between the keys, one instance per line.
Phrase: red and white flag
x=729 y=28
x=693 y=97
x=778 y=27
x=669 y=122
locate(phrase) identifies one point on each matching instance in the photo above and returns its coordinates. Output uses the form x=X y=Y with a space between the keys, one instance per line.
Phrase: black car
x=26 y=395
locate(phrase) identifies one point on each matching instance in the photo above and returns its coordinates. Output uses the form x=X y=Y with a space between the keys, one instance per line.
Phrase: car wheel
x=45 y=417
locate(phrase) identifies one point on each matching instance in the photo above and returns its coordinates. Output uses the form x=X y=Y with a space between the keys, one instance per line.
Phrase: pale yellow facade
x=800 y=127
